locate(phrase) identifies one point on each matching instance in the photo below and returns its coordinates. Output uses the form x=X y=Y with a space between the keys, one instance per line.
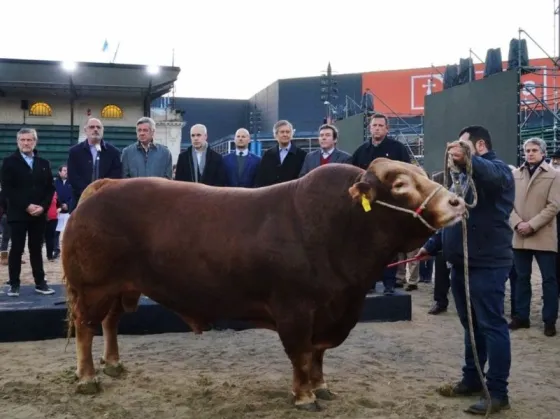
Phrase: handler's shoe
x=44 y=289
x=480 y=408
x=459 y=389
x=516 y=323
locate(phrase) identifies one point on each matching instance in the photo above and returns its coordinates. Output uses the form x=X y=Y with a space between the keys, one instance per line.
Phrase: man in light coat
x=328 y=153
x=533 y=219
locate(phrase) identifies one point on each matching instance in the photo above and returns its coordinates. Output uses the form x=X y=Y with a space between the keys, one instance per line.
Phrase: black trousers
x=442 y=281
x=50 y=235
x=35 y=229
x=558 y=271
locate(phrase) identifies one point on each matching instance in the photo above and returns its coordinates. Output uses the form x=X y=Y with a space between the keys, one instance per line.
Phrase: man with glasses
x=199 y=163
x=92 y=159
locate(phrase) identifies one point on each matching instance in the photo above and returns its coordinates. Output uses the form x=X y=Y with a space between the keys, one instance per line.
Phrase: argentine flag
x=105 y=46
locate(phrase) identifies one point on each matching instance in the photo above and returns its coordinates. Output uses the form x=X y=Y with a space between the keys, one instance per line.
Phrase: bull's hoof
x=324 y=394
x=91 y=386
x=309 y=407
x=114 y=370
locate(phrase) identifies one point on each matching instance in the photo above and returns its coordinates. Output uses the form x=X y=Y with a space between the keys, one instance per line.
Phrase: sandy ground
x=386 y=370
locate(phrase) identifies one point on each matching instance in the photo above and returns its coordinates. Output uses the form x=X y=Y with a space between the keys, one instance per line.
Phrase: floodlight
x=69 y=66
x=153 y=69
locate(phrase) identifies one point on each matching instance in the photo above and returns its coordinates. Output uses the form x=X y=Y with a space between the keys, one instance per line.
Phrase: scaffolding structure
x=539 y=103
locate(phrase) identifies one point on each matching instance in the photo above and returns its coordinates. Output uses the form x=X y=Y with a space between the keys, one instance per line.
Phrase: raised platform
x=33 y=316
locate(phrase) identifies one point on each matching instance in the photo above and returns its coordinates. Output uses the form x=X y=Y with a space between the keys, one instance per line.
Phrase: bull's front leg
x=318 y=383
x=295 y=330
x=302 y=389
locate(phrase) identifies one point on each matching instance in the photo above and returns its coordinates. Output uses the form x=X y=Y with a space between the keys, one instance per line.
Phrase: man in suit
x=92 y=159
x=241 y=165
x=28 y=185
x=199 y=163
x=328 y=137
x=282 y=162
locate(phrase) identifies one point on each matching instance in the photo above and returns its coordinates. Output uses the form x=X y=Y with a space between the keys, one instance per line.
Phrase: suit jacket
x=23 y=186
x=214 y=169
x=271 y=171
x=80 y=166
x=313 y=160
x=247 y=178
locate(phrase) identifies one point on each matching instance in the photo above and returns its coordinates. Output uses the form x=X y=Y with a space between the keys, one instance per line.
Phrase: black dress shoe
x=550 y=330
x=517 y=323
x=481 y=406
x=437 y=309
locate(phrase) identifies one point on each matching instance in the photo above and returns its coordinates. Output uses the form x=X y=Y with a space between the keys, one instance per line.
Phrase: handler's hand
x=422 y=254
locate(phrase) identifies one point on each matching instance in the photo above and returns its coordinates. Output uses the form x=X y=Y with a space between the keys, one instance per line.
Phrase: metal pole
x=71 y=110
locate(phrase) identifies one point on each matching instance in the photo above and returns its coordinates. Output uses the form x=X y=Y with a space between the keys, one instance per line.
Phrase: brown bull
x=297 y=258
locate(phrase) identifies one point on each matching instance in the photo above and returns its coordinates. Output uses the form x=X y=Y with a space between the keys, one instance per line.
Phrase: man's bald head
x=94 y=130
x=242 y=138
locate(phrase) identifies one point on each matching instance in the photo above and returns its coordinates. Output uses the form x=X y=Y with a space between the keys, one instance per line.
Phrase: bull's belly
x=204 y=308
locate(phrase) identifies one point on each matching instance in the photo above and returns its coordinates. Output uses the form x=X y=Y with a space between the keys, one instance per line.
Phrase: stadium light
x=69 y=66
x=152 y=69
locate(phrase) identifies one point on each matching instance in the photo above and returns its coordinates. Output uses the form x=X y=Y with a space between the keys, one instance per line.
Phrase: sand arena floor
x=388 y=370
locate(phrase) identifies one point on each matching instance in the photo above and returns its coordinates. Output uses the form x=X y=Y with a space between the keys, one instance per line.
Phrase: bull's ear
x=360 y=189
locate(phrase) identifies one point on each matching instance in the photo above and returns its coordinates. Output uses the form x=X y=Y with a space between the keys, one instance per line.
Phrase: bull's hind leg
x=112 y=365
x=87 y=381
x=318 y=383
x=90 y=308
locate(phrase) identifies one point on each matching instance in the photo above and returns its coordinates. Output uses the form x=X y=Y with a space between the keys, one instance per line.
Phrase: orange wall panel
x=402 y=92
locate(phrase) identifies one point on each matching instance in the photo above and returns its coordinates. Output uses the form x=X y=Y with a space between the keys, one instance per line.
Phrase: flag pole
x=116 y=52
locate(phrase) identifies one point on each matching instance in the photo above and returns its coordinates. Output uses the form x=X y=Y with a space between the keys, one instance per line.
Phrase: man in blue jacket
x=241 y=165
x=490 y=260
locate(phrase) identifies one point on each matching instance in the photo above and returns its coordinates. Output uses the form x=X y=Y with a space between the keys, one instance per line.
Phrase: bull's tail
x=71 y=297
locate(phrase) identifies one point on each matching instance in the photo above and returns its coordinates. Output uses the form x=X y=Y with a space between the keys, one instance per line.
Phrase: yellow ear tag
x=365 y=204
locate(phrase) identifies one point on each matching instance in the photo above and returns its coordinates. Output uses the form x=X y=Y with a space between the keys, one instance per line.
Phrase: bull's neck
x=368 y=244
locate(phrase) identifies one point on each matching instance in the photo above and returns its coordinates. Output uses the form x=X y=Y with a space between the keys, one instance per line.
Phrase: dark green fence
x=54 y=140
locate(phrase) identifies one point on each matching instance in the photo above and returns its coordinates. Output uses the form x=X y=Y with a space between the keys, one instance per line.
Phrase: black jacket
x=271 y=171
x=80 y=166
x=388 y=148
x=23 y=186
x=489 y=231
x=214 y=168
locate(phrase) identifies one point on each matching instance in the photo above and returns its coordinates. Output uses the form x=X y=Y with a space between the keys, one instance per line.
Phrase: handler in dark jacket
x=28 y=186
x=92 y=159
x=490 y=261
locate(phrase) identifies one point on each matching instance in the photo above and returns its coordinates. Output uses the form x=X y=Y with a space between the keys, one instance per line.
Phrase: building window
x=111 y=112
x=40 y=109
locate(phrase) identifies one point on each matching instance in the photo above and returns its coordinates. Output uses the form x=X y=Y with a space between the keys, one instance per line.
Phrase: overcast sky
x=234 y=48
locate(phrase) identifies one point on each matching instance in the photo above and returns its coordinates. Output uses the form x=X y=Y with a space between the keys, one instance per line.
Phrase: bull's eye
x=398 y=184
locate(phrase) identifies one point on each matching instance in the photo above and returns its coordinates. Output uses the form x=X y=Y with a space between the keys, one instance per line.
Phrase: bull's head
x=407 y=189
